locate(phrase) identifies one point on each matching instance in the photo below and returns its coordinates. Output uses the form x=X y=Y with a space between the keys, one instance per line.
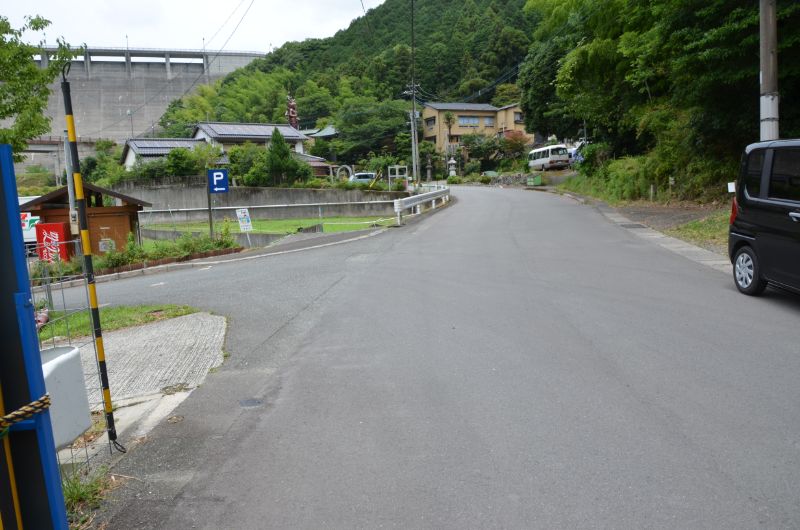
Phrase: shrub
x=594 y=157
x=485 y=180
x=472 y=167
x=314 y=183
x=110 y=260
x=225 y=239
x=454 y=180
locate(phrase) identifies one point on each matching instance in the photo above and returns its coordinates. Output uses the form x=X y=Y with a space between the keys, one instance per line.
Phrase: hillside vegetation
x=672 y=84
x=356 y=78
x=666 y=89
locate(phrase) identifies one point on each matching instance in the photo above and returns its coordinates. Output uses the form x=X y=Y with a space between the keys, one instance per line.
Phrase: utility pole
x=414 y=146
x=770 y=99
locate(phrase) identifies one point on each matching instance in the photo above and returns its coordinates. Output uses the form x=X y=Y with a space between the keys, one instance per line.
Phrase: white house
x=146 y=149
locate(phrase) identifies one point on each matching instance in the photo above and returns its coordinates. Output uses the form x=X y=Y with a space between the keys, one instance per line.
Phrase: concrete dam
x=118 y=93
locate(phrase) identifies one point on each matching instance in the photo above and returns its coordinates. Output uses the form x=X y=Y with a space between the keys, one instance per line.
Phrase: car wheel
x=747 y=272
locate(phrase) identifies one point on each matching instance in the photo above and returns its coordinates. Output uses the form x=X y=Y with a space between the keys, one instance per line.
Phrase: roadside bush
x=485 y=180
x=399 y=185
x=110 y=260
x=472 y=167
x=314 y=183
x=345 y=185
x=454 y=180
x=594 y=157
x=57 y=269
x=626 y=179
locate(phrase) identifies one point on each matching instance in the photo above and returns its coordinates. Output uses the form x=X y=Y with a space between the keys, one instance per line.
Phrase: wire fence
x=62 y=312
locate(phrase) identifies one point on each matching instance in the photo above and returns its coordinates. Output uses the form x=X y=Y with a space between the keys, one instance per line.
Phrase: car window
x=559 y=151
x=784 y=183
x=752 y=173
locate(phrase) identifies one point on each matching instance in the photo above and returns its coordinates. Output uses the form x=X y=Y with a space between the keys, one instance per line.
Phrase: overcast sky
x=182 y=24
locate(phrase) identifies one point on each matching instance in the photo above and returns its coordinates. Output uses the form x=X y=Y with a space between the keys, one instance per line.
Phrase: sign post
x=217 y=183
x=245 y=225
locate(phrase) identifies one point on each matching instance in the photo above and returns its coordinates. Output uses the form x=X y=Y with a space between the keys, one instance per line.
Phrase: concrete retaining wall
x=192 y=194
x=296 y=211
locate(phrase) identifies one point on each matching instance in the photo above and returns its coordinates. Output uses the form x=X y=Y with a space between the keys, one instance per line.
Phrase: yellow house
x=469 y=118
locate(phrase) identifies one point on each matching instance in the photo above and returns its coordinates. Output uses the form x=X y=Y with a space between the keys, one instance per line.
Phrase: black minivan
x=764 y=233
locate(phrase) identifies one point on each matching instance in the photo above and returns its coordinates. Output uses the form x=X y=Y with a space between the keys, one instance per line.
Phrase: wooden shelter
x=112 y=216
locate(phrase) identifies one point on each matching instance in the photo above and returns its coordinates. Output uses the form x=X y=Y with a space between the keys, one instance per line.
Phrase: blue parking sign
x=217 y=180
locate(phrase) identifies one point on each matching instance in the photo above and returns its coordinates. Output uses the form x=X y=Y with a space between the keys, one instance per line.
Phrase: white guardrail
x=416 y=201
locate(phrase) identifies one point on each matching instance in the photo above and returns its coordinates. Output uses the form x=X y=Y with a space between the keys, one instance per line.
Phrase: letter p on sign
x=217 y=180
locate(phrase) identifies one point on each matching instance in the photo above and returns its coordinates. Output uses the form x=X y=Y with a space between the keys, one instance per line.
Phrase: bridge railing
x=417 y=201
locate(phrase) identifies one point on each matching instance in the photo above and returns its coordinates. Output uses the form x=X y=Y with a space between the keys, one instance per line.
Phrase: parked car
x=764 y=233
x=362 y=178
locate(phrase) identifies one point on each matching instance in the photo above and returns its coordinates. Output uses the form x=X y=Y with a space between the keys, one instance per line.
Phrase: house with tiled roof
x=469 y=118
x=147 y=149
x=226 y=135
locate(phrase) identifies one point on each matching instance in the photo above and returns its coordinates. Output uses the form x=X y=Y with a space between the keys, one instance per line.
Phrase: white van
x=550 y=157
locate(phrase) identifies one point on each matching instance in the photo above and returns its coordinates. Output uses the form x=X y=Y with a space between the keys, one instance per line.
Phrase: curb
x=198 y=263
x=689 y=251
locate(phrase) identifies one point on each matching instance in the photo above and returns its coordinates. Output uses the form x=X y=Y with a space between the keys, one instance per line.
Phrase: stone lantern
x=451 y=167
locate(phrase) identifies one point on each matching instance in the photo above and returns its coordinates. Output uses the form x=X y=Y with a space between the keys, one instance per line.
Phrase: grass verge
x=286 y=226
x=711 y=231
x=78 y=324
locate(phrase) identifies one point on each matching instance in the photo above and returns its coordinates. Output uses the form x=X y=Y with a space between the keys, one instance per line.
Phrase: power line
x=165 y=85
x=235 y=9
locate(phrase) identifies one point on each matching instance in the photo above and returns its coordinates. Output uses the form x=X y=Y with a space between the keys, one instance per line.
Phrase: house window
x=518 y=117
x=430 y=122
x=488 y=121
x=468 y=121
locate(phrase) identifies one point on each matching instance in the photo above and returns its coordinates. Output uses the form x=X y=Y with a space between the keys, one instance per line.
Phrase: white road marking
x=158 y=284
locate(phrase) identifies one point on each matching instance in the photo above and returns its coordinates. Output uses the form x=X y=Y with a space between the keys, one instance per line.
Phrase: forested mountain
x=666 y=89
x=464 y=49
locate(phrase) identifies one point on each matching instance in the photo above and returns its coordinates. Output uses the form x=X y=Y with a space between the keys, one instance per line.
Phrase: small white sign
x=244 y=220
x=731 y=187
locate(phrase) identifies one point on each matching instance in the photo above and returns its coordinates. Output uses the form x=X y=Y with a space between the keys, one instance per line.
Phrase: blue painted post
x=28 y=459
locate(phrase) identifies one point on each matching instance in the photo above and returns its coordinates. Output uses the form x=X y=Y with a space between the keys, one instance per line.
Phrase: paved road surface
x=515 y=361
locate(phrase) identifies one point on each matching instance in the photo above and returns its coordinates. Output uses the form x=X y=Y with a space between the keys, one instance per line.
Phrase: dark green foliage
x=461 y=47
x=181 y=163
x=242 y=157
x=24 y=86
x=274 y=166
x=673 y=83
x=366 y=125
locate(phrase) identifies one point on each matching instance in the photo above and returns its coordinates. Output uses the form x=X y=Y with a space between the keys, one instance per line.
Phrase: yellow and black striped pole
x=86 y=246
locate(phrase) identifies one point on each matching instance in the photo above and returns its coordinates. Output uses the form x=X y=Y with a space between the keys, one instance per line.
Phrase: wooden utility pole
x=769 y=70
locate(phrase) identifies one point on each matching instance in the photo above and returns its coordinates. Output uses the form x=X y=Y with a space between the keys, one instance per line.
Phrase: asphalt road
x=514 y=361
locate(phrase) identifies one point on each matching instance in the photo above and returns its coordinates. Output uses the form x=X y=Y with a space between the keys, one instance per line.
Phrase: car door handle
x=795 y=216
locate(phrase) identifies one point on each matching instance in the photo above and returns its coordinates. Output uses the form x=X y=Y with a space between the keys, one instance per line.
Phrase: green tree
x=506 y=94
x=242 y=157
x=23 y=85
x=366 y=125
x=181 y=163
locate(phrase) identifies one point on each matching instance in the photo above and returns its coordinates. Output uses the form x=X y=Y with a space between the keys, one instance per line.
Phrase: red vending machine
x=52 y=241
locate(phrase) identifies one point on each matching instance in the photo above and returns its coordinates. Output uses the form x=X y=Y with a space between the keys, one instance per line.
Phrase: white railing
x=416 y=201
